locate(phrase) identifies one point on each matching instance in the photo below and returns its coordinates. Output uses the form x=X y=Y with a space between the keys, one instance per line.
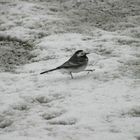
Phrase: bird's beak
x=87 y=53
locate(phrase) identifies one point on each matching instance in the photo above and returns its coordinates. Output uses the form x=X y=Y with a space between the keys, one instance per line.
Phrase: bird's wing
x=69 y=64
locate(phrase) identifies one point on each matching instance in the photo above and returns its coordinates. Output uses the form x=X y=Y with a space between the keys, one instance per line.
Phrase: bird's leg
x=71 y=75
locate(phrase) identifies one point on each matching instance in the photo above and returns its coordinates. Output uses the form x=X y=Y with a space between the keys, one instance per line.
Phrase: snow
x=100 y=105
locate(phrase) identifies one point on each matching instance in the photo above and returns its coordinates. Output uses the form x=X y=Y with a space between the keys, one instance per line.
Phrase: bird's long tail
x=50 y=70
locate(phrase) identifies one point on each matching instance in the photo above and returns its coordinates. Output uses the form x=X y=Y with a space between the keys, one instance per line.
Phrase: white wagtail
x=77 y=63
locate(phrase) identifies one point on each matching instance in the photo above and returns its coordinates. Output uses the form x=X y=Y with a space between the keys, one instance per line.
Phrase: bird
x=77 y=63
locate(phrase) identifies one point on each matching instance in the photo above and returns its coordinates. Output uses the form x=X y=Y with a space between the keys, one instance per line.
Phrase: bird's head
x=81 y=53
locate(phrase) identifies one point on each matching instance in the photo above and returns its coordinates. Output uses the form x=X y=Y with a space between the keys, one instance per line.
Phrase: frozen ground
x=101 y=105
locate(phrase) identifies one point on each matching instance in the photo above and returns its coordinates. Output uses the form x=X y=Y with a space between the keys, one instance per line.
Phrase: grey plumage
x=76 y=63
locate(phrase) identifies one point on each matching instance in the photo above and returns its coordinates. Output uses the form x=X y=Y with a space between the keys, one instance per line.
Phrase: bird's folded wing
x=69 y=64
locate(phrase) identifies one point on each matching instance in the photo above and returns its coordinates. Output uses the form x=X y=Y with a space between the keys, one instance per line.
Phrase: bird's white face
x=81 y=53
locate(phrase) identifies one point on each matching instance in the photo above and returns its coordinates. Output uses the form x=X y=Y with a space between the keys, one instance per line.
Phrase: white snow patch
x=54 y=106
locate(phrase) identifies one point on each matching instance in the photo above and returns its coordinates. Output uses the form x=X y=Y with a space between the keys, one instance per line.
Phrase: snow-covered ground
x=101 y=105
